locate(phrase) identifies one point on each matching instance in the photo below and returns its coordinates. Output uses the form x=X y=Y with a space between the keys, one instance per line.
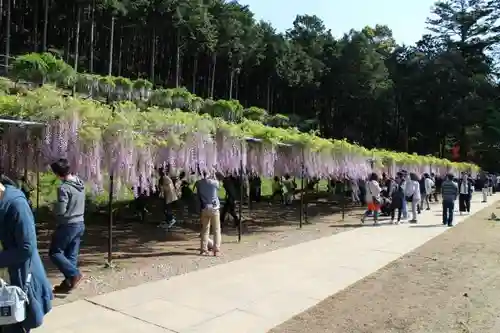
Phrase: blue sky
x=406 y=18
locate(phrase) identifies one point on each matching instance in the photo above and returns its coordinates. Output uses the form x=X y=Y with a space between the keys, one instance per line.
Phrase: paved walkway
x=253 y=294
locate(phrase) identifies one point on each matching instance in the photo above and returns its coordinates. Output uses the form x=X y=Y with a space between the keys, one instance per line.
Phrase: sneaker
x=413 y=221
x=392 y=221
x=63 y=288
x=398 y=222
x=171 y=223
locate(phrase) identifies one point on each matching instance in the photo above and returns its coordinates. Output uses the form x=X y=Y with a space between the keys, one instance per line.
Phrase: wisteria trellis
x=134 y=164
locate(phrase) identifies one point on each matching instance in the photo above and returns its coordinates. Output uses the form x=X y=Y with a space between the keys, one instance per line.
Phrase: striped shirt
x=449 y=190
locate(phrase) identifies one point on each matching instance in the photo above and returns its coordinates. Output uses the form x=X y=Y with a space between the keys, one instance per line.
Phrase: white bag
x=13 y=301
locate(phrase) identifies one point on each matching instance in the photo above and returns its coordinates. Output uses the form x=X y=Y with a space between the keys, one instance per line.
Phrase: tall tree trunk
x=77 y=35
x=7 y=35
x=231 y=82
x=45 y=24
x=111 y=43
x=92 y=37
x=35 y=26
x=268 y=95
x=1 y=13
x=236 y=86
x=178 y=60
x=212 y=83
x=153 y=58
x=195 y=73
x=68 y=43
x=120 y=53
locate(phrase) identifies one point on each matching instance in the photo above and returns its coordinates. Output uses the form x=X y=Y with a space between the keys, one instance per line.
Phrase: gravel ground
x=449 y=285
x=150 y=260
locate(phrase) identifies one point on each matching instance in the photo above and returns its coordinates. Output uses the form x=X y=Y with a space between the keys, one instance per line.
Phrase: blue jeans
x=448 y=207
x=65 y=248
x=405 y=209
x=169 y=214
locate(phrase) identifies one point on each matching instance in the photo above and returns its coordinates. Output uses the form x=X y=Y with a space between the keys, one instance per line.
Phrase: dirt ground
x=143 y=252
x=449 y=285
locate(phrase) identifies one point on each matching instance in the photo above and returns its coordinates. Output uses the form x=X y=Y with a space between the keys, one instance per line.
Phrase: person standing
x=69 y=210
x=490 y=185
x=168 y=191
x=449 y=192
x=230 y=203
x=484 y=182
x=355 y=191
x=373 y=198
x=288 y=190
x=429 y=188
x=20 y=262
x=207 y=189
x=465 y=193
x=412 y=192
x=397 y=199
x=438 y=181
x=404 y=182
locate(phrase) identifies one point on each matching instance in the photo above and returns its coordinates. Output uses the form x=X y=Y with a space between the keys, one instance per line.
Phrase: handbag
x=13 y=301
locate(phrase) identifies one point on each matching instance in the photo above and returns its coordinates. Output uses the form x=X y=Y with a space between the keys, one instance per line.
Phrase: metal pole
x=37 y=162
x=305 y=201
x=37 y=166
x=240 y=208
x=302 y=175
x=110 y=221
x=343 y=197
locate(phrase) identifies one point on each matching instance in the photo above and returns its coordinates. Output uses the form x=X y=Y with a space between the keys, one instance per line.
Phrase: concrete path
x=253 y=294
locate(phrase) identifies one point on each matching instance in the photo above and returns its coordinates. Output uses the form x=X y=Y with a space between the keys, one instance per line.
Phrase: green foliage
x=30 y=67
x=255 y=113
x=362 y=86
x=99 y=121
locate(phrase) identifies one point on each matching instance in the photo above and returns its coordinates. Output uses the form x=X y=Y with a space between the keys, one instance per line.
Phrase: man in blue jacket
x=19 y=256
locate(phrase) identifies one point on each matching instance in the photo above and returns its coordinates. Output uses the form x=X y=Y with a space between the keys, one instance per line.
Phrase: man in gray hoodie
x=69 y=212
x=449 y=191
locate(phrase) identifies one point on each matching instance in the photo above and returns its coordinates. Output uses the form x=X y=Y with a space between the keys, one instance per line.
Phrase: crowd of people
x=407 y=193
x=21 y=265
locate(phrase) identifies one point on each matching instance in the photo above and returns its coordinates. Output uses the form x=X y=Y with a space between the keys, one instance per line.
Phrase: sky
x=405 y=18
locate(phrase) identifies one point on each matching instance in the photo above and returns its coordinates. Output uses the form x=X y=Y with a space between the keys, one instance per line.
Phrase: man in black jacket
x=229 y=183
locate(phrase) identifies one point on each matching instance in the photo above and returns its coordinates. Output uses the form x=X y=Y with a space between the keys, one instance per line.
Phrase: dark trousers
x=393 y=212
x=278 y=194
x=448 y=207
x=169 y=211
x=15 y=328
x=65 y=248
x=229 y=207
x=434 y=196
x=255 y=194
x=464 y=202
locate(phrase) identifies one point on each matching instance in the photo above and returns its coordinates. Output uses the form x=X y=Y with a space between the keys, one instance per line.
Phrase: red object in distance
x=455 y=151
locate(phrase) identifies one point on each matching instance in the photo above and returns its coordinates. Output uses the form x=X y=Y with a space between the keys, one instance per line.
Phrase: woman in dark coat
x=19 y=255
x=397 y=201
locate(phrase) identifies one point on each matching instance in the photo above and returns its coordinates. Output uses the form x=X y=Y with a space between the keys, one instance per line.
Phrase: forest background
x=440 y=93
